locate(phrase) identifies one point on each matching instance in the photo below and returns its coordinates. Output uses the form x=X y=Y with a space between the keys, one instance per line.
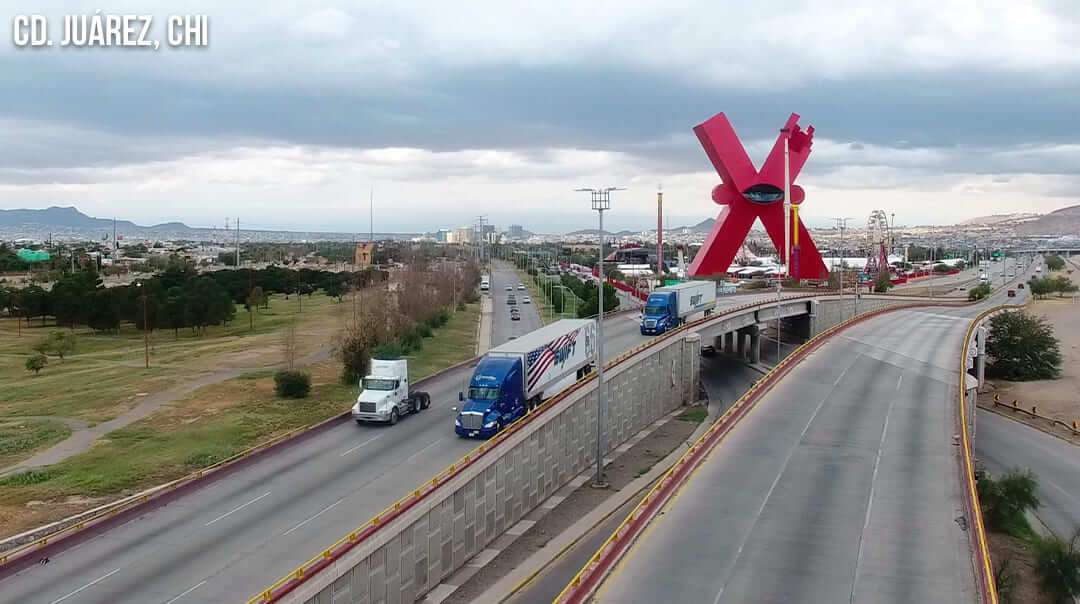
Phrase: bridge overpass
x=233 y=536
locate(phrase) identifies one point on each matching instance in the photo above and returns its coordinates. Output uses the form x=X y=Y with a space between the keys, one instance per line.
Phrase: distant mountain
x=702 y=227
x=999 y=219
x=1059 y=223
x=71 y=218
x=597 y=231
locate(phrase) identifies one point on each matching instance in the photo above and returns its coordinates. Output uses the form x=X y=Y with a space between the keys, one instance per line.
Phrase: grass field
x=20 y=438
x=543 y=303
x=200 y=429
x=105 y=375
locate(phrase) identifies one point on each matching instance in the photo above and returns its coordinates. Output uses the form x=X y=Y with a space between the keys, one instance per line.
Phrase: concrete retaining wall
x=829 y=312
x=418 y=549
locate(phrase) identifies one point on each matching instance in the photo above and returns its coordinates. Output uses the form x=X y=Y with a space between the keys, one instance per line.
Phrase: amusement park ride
x=879 y=240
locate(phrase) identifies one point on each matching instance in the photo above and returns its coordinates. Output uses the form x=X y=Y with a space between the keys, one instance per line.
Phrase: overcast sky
x=937 y=110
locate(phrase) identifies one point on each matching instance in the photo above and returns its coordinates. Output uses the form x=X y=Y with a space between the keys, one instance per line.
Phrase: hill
x=71 y=218
x=1059 y=223
x=1000 y=219
x=597 y=231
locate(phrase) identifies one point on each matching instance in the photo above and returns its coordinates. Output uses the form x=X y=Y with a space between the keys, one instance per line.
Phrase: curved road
x=842 y=485
x=235 y=536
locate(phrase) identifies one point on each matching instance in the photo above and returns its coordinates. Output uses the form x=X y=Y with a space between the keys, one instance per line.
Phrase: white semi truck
x=385 y=396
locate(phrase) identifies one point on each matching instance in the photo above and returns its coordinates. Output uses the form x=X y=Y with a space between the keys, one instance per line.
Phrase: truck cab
x=384 y=394
x=495 y=398
x=660 y=313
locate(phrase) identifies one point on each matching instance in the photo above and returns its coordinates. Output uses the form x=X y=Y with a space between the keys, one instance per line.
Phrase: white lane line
x=898 y=380
x=870 y=498
x=191 y=589
x=237 y=508
x=94 y=582
x=361 y=444
x=421 y=451
x=779 y=475
x=320 y=513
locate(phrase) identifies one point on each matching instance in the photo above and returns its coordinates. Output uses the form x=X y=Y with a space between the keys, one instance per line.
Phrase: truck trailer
x=671 y=306
x=514 y=378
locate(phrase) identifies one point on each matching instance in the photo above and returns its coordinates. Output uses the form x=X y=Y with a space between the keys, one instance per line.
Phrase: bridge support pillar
x=729 y=342
x=755 y=345
x=741 y=337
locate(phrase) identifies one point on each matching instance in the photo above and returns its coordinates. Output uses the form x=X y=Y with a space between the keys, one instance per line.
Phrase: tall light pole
x=601 y=200
x=841 y=223
x=145 y=326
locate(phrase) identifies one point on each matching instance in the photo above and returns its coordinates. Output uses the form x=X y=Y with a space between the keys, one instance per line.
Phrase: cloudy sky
x=937 y=110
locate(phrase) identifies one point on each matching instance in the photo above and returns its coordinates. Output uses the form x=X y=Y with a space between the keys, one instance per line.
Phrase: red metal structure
x=747 y=193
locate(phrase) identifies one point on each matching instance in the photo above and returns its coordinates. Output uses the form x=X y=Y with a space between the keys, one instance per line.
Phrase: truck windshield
x=483 y=394
x=379 y=384
x=655 y=311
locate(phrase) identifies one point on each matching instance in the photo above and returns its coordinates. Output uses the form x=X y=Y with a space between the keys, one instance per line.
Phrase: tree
x=254 y=299
x=1058 y=564
x=1023 y=347
x=1040 y=287
x=58 y=342
x=1054 y=262
x=102 y=314
x=36 y=362
x=882 y=284
x=355 y=355
x=979 y=292
x=292 y=384
x=1005 y=500
x=1063 y=285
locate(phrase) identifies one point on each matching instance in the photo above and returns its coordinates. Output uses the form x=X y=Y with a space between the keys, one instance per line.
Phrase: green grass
x=695 y=415
x=542 y=302
x=104 y=375
x=179 y=438
x=21 y=438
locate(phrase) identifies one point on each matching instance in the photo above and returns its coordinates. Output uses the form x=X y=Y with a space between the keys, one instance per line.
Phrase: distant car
x=511 y=301
x=1012 y=293
x=708 y=351
x=515 y=315
x=1020 y=286
x=526 y=300
x=509 y=288
x=521 y=286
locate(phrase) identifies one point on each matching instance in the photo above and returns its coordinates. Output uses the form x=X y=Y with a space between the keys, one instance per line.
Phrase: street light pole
x=145 y=325
x=601 y=200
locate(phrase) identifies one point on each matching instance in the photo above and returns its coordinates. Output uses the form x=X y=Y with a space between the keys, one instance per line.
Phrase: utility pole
x=371 y=222
x=660 y=233
x=601 y=200
x=238 y=242
x=841 y=223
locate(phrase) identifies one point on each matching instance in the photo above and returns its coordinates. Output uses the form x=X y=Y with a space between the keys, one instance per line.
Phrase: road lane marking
x=320 y=513
x=776 y=481
x=186 y=592
x=237 y=508
x=361 y=445
x=421 y=451
x=899 y=379
x=870 y=498
x=94 y=582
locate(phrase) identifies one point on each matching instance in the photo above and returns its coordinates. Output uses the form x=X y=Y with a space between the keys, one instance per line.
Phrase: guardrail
x=156 y=494
x=1015 y=406
x=291 y=581
x=585 y=583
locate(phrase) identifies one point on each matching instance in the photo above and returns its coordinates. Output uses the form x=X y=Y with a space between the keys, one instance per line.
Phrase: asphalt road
x=1002 y=445
x=232 y=538
x=842 y=485
x=235 y=536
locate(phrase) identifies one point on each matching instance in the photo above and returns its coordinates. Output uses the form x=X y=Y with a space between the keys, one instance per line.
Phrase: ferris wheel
x=879 y=241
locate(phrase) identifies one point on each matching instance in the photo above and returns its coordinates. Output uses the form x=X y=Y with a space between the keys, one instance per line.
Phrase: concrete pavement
x=1003 y=445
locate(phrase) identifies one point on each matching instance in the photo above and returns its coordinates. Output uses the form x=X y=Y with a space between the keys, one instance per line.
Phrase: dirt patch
x=1016 y=555
x=1058 y=398
x=621 y=472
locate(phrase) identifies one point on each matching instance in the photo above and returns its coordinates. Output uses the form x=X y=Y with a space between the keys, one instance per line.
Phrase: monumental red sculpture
x=747 y=193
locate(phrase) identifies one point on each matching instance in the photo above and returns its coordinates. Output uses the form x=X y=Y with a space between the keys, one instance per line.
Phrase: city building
x=364 y=254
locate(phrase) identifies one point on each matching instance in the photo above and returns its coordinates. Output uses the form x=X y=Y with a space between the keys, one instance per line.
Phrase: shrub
x=411 y=340
x=978 y=293
x=355 y=356
x=424 y=329
x=882 y=284
x=461 y=306
x=1005 y=500
x=389 y=351
x=36 y=362
x=292 y=384
x=1023 y=348
x=1058 y=564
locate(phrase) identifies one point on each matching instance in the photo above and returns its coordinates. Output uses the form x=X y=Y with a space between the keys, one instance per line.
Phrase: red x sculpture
x=747 y=194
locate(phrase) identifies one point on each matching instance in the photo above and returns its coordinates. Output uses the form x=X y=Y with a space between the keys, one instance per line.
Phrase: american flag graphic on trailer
x=540 y=359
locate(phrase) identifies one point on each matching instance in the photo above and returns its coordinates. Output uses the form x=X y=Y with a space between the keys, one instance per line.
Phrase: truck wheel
x=427 y=401
x=393 y=416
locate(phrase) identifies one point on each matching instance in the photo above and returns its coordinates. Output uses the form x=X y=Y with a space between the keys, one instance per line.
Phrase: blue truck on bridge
x=671 y=306
x=514 y=378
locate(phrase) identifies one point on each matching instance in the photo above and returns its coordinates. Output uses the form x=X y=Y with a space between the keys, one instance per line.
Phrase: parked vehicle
x=669 y=307
x=485 y=283
x=385 y=395
x=512 y=379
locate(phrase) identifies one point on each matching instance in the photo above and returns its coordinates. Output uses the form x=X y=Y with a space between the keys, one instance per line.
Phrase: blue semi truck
x=671 y=306
x=514 y=378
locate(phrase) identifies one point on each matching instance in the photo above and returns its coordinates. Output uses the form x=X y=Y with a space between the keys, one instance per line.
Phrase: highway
x=1002 y=444
x=842 y=485
x=226 y=541
x=237 y=535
